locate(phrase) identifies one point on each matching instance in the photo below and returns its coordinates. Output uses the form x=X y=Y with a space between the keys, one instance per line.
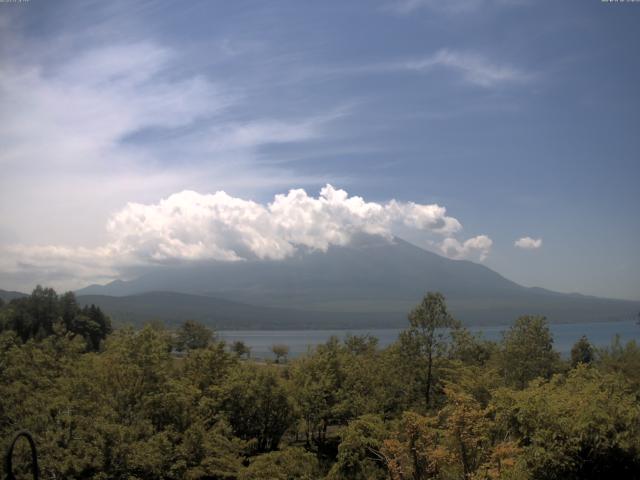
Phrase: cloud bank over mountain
x=190 y=226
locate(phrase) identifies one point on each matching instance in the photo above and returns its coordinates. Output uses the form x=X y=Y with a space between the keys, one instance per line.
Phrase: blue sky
x=522 y=118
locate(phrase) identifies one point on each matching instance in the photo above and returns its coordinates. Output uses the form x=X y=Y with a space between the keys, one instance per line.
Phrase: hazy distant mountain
x=7 y=295
x=172 y=308
x=376 y=279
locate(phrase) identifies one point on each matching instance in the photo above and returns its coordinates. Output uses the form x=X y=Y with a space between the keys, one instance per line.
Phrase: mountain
x=345 y=285
x=172 y=308
x=351 y=277
x=7 y=295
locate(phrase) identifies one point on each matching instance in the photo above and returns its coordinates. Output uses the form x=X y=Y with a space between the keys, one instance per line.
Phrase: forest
x=440 y=403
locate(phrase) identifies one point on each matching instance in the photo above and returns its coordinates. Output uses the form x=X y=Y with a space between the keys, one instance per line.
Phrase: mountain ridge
x=374 y=279
x=172 y=308
x=8 y=295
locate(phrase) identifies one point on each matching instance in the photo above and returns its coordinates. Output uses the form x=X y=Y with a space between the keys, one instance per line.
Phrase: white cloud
x=68 y=124
x=79 y=112
x=65 y=125
x=479 y=247
x=233 y=136
x=190 y=226
x=449 y=6
x=474 y=68
x=193 y=226
x=528 y=243
x=24 y=266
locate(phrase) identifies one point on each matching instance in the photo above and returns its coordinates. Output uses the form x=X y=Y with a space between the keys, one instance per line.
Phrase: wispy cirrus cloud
x=474 y=68
x=127 y=121
x=471 y=67
x=252 y=134
x=404 y=7
x=79 y=112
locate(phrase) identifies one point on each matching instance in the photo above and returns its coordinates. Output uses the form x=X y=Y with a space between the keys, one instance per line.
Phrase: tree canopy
x=125 y=405
x=45 y=313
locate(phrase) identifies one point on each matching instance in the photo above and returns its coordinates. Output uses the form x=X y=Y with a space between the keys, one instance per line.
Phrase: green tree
x=281 y=351
x=240 y=349
x=582 y=352
x=34 y=316
x=583 y=425
x=527 y=351
x=192 y=335
x=364 y=380
x=317 y=381
x=425 y=338
x=623 y=360
x=289 y=464
x=93 y=325
x=44 y=313
x=360 y=344
x=255 y=401
x=359 y=453
x=208 y=368
x=207 y=453
x=471 y=349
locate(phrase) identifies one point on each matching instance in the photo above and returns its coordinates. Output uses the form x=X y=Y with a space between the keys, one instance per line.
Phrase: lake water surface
x=299 y=341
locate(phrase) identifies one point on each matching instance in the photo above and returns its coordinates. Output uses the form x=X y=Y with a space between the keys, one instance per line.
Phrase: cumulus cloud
x=479 y=247
x=528 y=243
x=193 y=226
x=190 y=226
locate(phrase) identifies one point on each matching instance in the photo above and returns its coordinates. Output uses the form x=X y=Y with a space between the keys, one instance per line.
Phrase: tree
x=206 y=453
x=289 y=464
x=33 y=316
x=207 y=368
x=44 y=313
x=470 y=349
x=365 y=380
x=459 y=442
x=622 y=359
x=584 y=425
x=412 y=451
x=317 y=382
x=527 y=351
x=280 y=351
x=240 y=349
x=93 y=325
x=359 y=452
x=360 y=344
x=256 y=403
x=582 y=352
x=192 y=335
x=425 y=337
x=466 y=433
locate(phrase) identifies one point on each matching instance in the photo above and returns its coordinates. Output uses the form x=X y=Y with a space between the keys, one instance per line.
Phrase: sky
x=505 y=132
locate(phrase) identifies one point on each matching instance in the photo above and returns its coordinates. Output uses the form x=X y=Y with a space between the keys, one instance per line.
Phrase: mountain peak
x=370 y=277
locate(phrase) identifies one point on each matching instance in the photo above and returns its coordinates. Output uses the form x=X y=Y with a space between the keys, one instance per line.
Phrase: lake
x=299 y=341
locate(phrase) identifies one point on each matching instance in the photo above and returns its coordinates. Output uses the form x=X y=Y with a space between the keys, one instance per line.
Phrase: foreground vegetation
x=437 y=404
